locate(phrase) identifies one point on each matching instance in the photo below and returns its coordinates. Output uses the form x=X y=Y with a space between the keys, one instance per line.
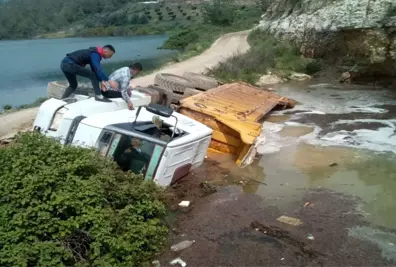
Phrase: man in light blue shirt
x=118 y=84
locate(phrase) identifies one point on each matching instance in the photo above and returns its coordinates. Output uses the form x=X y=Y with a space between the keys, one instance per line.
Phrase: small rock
x=345 y=77
x=156 y=263
x=300 y=77
x=269 y=79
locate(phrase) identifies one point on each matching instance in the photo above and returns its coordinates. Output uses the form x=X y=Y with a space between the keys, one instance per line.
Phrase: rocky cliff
x=359 y=33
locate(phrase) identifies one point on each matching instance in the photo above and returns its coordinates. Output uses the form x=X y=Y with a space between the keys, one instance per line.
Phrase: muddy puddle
x=330 y=163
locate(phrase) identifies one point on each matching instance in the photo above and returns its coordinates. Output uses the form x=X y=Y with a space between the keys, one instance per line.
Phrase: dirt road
x=224 y=47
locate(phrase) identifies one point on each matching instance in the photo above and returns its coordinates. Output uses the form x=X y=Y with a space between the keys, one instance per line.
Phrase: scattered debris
x=208 y=188
x=178 y=261
x=182 y=245
x=282 y=259
x=256 y=181
x=156 y=263
x=333 y=164
x=184 y=204
x=391 y=244
x=309 y=204
x=289 y=220
x=311 y=237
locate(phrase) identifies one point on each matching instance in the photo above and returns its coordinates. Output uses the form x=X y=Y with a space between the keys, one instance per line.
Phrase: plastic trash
x=182 y=245
x=184 y=204
x=311 y=237
x=178 y=261
x=156 y=263
x=289 y=220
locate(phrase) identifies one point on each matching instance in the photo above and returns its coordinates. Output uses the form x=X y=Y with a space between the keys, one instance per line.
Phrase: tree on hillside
x=220 y=12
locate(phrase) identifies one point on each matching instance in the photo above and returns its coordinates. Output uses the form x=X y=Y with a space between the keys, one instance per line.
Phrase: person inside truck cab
x=133 y=158
x=74 y=63
x=119 y=83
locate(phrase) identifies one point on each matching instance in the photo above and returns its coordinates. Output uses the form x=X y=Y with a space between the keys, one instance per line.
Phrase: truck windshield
x=132 y=153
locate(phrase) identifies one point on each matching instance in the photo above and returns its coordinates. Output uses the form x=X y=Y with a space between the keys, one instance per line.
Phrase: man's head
x=135 y=142
x=108 y=51
x=135 y=68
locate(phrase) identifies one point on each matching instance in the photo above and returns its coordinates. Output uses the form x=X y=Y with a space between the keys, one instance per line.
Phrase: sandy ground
x=225 y=46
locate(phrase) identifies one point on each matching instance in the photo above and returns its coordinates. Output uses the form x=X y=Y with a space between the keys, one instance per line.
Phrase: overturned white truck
x=153 y=140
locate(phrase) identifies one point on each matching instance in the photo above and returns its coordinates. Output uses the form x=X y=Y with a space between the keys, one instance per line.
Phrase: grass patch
x=9 y=108
x=266 y=53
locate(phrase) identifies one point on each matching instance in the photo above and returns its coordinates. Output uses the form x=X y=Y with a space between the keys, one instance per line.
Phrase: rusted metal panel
x=240 y=106
x=234 y=112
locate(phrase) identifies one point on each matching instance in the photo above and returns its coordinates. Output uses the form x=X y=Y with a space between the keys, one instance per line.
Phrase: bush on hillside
x=181 y=40
x=7 y=107
x=220 y=12
x=67 y=206
x=266 y=53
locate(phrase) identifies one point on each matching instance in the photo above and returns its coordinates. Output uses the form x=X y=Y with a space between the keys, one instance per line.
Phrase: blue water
x=28 y=65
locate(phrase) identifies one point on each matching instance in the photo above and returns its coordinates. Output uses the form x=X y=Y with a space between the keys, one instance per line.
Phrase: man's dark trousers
x=71 y=71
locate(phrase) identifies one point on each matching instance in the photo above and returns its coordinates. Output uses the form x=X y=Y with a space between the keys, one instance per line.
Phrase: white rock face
x=322 y=15
x=360 y=31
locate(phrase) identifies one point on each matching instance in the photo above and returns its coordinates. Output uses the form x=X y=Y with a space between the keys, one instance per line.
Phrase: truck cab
x=59 y=118
x=163 y=152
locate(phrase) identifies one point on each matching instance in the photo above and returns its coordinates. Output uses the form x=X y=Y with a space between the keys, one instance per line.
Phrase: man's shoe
x=102 y=99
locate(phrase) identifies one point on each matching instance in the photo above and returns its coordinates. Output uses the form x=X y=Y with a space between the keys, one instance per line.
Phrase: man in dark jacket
x=74 y=63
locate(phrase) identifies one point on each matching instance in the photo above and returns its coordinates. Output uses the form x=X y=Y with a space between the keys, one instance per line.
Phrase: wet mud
x=234 y=228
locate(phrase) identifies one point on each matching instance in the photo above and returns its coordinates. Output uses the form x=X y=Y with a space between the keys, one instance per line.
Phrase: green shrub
x=188 y=17
x=193 y=7
x=7 y=107
x=181 y=40
x=67 y=206
x=314 y=67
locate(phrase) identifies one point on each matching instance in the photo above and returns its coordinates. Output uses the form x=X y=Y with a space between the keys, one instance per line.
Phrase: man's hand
x=130 y=106
x=103 y=86
x=113 y=84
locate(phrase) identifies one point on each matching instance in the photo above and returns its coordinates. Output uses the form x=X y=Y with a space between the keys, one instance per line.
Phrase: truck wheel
x=172 y=82
x=56 y=89
x=201 y=81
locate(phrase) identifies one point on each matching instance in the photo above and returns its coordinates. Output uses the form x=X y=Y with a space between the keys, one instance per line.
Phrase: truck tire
x=172 y=82
x=201 y=81
x=190 y=92
x=56 y=89
x=166 y=95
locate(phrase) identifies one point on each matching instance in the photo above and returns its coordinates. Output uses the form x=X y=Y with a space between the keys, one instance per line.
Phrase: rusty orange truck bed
x=234 y=112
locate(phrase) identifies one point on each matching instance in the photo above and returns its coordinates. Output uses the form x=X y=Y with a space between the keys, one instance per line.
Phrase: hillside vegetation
x=24 y=19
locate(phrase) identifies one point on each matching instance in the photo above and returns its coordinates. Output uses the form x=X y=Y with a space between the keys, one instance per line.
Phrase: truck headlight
x=57 y=119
